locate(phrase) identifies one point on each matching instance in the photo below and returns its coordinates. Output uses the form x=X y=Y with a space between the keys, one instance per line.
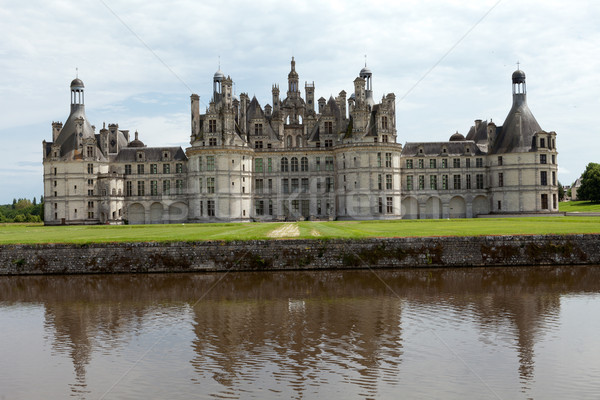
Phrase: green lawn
x=579 y=206
x=30 y=233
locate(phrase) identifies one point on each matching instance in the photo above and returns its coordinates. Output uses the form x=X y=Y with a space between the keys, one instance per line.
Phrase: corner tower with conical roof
x=522 y=159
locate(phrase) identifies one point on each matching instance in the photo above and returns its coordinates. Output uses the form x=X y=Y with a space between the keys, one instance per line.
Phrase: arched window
x=304 y=164
x=284 y=164
x=299 y=141
x=289 y=141
x=294 y=164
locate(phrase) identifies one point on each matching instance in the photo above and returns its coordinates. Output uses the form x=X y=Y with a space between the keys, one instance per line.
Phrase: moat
x=480 y=333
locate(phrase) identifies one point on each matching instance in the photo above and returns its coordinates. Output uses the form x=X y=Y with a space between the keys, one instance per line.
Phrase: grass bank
x=30 y=234
x=578 y=206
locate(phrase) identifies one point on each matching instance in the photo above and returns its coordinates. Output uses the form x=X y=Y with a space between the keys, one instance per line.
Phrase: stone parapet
x=308 y=254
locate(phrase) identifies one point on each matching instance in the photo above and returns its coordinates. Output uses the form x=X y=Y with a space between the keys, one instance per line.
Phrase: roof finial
x=76 y=73
x=219 y=62
x=365 y=61
x=518 y=65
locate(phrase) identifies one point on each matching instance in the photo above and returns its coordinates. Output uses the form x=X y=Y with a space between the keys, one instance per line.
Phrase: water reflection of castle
x=306 y=326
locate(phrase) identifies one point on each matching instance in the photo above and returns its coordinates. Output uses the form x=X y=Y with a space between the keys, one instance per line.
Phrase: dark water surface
x=486 y=333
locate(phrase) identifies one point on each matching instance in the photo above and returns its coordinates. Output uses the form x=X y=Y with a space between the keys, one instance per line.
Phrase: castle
x=297 y=159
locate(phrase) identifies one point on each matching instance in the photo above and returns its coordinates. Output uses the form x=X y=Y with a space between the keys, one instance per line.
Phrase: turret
x=77 y=98
x=293 y=90
x=366 y=74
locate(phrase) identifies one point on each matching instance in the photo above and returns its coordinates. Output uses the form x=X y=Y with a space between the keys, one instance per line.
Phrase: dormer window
x=542 y=143
x=140 y=156
x=165 y=155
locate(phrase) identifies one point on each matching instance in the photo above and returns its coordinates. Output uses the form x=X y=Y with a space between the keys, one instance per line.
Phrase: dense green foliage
x=36 y=233
x=590 y=183
x=22 y=210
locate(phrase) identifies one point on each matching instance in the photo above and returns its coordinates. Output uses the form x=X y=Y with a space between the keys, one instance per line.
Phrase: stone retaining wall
x=299 y=254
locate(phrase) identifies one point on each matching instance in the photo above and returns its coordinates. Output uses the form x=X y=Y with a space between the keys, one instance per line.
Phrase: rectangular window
x=270 y=207
x=258 y=131
x=285 y=185
x=421 y=182
x=328 y=143
x=468 y=181
x=258 y=164
x=384 y=122
x=153 y=188
x=270 y=185
x=127 y=169
x=212 y=125
x=468 y=163
x=329 y=184
x=296 y=206
x=388 y=182
x=500 y=179
x=553 y=159
x=379 y=160
x=140 y=169
x=409 y=164
x=319 y=210
x=295 y=185
x=166 y=168
x=553 y=178
x=140 y=188
x=178 y=168
x=210 y=208
x=433 y=182
x=499 y=160
x=542 y=159
x=479 y=162
x=90 y=168
x=210 y=185
x=179 y=186
x=544 y=202
x=294 y=164
x=258 y=185
x=258 y=144
x=456 y=182
x=432 y=163
x=129 y=189
x=318 y=163
x=409 y=182
x=445 y=182
x=90 y=192
x=210 y=163
x=389 y=205
x=444 y=163
x=554 y=202
x=260 y=207
x=167 y=187
x=543 y=178
x=328 y=128
x=153 y=169
x=379 y=182
x=200 y=166
x=380 y=205
x=421 y=163
x=304 y=164
x=479 y=179
x=388 y=160
x=304 y=185
x=212 y=141
x=90 y=151
x=200 y=185
x=542 y=145
x=456 y=162
x=318 y=185
x=329 y=163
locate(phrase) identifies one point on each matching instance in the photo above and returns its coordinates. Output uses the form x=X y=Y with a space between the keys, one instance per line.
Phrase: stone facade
x=297 y=159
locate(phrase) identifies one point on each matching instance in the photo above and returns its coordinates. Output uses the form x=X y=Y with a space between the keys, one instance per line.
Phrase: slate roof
x=151 y=154
x=411 y=149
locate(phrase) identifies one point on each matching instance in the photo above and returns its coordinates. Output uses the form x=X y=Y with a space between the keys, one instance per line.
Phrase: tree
x=590 y=184
x=35 y=201
x=561 y=192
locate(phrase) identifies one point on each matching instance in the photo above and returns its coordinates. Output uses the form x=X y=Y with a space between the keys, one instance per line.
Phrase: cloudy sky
x=449 y=62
